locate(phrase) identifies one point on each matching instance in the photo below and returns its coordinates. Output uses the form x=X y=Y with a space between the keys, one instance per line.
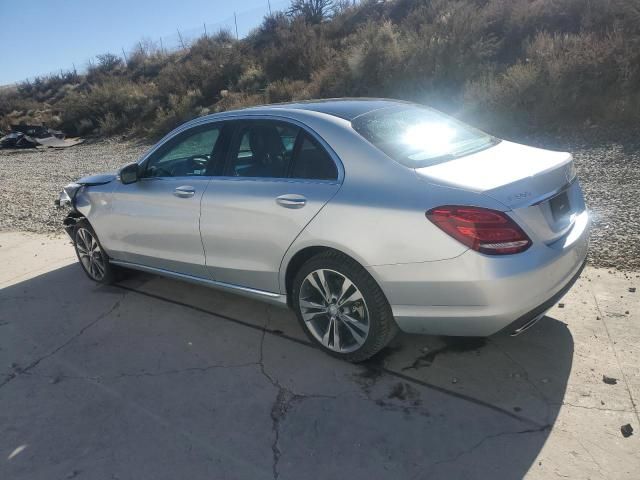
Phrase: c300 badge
x=519 y=196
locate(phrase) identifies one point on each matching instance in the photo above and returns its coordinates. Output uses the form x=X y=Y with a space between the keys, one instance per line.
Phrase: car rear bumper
x=479 y=295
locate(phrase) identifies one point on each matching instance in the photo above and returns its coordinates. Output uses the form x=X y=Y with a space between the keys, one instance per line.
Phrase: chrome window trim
x=275 y=179
x=254 y=116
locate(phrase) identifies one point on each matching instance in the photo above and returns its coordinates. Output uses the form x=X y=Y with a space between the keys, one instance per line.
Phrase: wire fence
x=238 y=25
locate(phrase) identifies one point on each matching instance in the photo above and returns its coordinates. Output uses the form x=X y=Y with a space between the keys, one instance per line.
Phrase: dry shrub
x=517 y=63
x=285 y=91
x=180 y=109
x=236 y=100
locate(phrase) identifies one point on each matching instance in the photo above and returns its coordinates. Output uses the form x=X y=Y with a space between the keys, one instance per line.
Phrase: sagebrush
x=499 y=63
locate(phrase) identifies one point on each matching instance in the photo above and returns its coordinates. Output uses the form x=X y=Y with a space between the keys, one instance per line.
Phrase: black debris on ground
x=403 y=391
x=626 y=430
x=609 y=380
x=33 y=136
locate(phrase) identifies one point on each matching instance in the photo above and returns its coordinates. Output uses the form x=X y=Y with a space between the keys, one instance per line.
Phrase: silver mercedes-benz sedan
x=364 y=216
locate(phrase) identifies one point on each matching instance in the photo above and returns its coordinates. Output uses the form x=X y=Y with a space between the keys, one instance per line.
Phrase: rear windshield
x=418 y=136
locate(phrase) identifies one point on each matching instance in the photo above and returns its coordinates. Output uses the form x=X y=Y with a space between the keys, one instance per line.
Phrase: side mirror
x=129 y=173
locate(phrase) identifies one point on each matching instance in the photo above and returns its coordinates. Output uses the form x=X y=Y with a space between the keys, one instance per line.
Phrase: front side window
x=418 y=136
x=188 y=155
x=263 y=149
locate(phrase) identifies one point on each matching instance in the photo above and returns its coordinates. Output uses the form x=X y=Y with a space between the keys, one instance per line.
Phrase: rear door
x=155 y=221
x=277 y=178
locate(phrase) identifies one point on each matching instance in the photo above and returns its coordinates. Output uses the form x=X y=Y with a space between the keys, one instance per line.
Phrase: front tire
x=341 y=307
x=92 y=257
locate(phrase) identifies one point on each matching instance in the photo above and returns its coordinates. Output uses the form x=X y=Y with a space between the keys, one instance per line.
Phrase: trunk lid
x=537 y=185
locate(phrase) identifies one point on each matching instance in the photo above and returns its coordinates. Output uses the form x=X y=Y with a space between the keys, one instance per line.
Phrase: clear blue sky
x=42 y=36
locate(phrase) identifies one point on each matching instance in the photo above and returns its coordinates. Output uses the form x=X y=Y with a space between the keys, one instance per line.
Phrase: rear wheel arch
x=303 y=255
x=296 y=263
x=381 y=327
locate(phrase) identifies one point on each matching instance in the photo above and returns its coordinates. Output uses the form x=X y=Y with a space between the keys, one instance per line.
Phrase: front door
x=156 y=219
x=277 y=178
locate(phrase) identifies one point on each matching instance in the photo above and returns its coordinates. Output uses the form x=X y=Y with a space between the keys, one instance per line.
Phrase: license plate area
x=560 y=207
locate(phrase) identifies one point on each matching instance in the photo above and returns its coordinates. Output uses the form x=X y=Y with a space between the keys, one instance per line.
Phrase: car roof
x=346 y=108
x=343 y=108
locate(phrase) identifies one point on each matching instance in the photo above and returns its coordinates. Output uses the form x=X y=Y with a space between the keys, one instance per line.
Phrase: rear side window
x=418 y=136
x=263 y=149
x=312 y=161
x=273 y=149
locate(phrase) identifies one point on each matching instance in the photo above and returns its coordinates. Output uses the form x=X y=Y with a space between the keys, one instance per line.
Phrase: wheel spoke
x=324 y=284
x=80 y=239
x=99 y=267
x=346 y=286
x=92 y=267
x=307 y=317
x=327 y=334
x=314 y=305
x=85 y=241
x=354 y=297
x=357 y=336
x=318 y=286
x=336 y=334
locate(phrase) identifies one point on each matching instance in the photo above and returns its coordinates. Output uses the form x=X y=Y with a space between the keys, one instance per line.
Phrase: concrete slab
x=159 y=379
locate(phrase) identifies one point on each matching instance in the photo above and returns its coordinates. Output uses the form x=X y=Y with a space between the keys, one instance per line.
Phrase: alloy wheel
x=90 y=254
x=334 y=310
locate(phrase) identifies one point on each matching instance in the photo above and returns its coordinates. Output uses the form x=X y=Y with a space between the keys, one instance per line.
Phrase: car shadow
x=425 y=407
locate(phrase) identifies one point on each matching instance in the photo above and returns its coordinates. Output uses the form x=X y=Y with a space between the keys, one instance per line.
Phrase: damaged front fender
x=67 y=198
x=70 y=222
x=68 y=194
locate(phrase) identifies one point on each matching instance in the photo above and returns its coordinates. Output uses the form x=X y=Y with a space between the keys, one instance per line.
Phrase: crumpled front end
x=68 y=195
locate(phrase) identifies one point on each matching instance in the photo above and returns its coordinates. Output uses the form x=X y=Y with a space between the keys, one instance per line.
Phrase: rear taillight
x=483 y=230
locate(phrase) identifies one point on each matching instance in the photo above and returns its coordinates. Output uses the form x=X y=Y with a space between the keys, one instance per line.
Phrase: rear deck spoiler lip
x=543 y=198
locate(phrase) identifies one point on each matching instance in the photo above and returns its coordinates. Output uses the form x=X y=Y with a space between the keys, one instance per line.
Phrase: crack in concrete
x=592 y=408
x=37 y=361
x=593 y=459
x=478 y=444
x=381 y=370
x=283 y=402
x=280 y=405
x=525 y=372
x=615 y=354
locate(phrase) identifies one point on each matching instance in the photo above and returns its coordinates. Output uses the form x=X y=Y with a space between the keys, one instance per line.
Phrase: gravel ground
x=31 y=179
x=609 y=171
x=608 y=165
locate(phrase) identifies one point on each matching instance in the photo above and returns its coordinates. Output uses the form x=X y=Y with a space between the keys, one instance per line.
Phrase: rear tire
x=91 y=256
x=341 y=308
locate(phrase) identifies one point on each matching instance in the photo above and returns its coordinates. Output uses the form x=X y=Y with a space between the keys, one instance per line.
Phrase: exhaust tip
x=526 y=326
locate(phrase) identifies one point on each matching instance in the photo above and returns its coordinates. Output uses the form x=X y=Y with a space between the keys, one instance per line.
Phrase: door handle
x=291 y=201
x=184 y=191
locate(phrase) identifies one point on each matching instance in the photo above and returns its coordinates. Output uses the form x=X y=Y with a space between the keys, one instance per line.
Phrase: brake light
x=484 y=230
